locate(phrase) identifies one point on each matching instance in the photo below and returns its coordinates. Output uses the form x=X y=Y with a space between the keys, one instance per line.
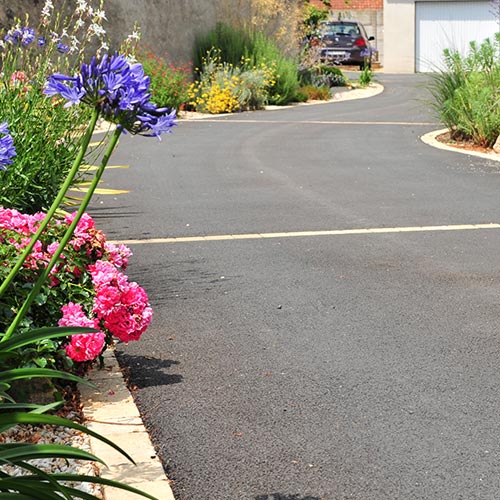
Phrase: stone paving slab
x=110 y=410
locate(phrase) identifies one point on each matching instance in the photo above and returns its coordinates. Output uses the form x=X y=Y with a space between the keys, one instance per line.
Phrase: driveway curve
x=303 y=360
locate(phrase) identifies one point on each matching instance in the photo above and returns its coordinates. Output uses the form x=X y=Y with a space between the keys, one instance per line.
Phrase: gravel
x=45 y=434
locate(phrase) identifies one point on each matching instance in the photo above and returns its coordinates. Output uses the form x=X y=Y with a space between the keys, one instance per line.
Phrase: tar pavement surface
x=317 y=367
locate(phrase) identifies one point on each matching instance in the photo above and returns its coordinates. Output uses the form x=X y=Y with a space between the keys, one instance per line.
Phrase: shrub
x=87 y=288
x=465 y=92
x=235 y=44
x=224 y=88
x=316 y=93
x=169 y=83
x=320 y=75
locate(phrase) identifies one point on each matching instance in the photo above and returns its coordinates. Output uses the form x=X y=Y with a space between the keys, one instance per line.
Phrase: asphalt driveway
x=305 y=360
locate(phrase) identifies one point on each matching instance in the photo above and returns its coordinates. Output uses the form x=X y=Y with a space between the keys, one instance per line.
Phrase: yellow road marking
x=311 y=122
x=89 y=168
x=101 y=190
x=298 y=234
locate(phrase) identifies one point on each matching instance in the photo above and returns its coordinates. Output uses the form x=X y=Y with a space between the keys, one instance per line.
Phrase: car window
x=340 y=29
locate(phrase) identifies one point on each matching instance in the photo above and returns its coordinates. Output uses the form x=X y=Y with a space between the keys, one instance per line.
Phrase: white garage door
x=441 y=25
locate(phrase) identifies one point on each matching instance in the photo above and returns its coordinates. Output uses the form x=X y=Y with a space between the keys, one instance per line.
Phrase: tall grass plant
x=465 y=92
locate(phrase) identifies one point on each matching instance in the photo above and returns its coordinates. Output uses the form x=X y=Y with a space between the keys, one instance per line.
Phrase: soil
x=462 y=144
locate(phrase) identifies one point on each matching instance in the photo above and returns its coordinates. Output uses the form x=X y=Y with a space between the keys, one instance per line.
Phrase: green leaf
x=30 y=418
x=16 y=453
x=22 y=339
x=103 y=481
x=30 y=406
x=20 y=373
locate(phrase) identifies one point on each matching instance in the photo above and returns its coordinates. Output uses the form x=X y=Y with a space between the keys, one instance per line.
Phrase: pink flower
x=86 y=234
x=73 y=315
x=117 y=254
x=13 y=220
x=86 y=346
x=123 y=306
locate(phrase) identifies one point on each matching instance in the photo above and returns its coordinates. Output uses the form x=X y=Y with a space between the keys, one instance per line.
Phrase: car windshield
x=346 y=29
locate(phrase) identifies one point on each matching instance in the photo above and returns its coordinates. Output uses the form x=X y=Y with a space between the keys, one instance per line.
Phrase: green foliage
x=366 y=76
x=232 y=44
x=313 y=16
x=315 y=93
x=321 y=75
x=237 y=43
x=36 y=483
x=169 y=83
x=224 y=88
x=465 y=92
x=46 y=135
x=46 y=145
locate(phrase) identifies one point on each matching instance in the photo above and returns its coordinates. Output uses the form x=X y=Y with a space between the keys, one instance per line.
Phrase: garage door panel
x=441 y=25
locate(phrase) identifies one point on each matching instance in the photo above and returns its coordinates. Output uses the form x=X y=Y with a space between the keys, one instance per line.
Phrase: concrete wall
x=170 y=26
x=399 y=36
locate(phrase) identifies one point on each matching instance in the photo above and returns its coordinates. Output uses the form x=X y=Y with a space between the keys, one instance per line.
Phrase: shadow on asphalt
x=148 y=372
x=281 y=496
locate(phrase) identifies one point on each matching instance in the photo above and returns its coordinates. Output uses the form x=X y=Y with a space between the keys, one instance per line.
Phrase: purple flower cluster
x=119 y=90
x=20 y=36
x=7 y=150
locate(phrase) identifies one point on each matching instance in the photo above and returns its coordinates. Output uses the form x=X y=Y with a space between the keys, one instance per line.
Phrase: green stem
x=56 y=203
x=65 y=239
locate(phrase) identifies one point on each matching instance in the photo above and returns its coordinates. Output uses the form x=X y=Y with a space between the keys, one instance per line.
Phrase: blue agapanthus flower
x=7 y=150
x=61 y=48
x=119 y=90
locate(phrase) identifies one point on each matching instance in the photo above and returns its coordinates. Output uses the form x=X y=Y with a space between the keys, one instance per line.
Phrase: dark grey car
x=345 y=42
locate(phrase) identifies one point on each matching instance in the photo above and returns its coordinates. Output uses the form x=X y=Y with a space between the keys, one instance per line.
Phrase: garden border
x=430 y=138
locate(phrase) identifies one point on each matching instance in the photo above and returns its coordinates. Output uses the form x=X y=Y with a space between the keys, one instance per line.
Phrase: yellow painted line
x=102 y=190
x=299 y=234
x=311 y=122
x=89 y=168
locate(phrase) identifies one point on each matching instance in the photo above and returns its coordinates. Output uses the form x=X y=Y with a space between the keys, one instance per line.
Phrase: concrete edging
x=110 y=410
x=431 y=140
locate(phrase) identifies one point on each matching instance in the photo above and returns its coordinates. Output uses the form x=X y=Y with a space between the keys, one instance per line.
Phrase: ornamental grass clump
x=465 y=92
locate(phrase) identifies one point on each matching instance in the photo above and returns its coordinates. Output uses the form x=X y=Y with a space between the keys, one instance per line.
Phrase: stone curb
x=110 y=410
x=431 y=140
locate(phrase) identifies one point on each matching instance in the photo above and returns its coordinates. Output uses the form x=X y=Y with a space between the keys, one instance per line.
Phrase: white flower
x=74 y=44
x=81 y=6
x=97 y=30
x=135 y=35
x=100 y=15
x=79 y=23
x=104 y=46
x=47 y=8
